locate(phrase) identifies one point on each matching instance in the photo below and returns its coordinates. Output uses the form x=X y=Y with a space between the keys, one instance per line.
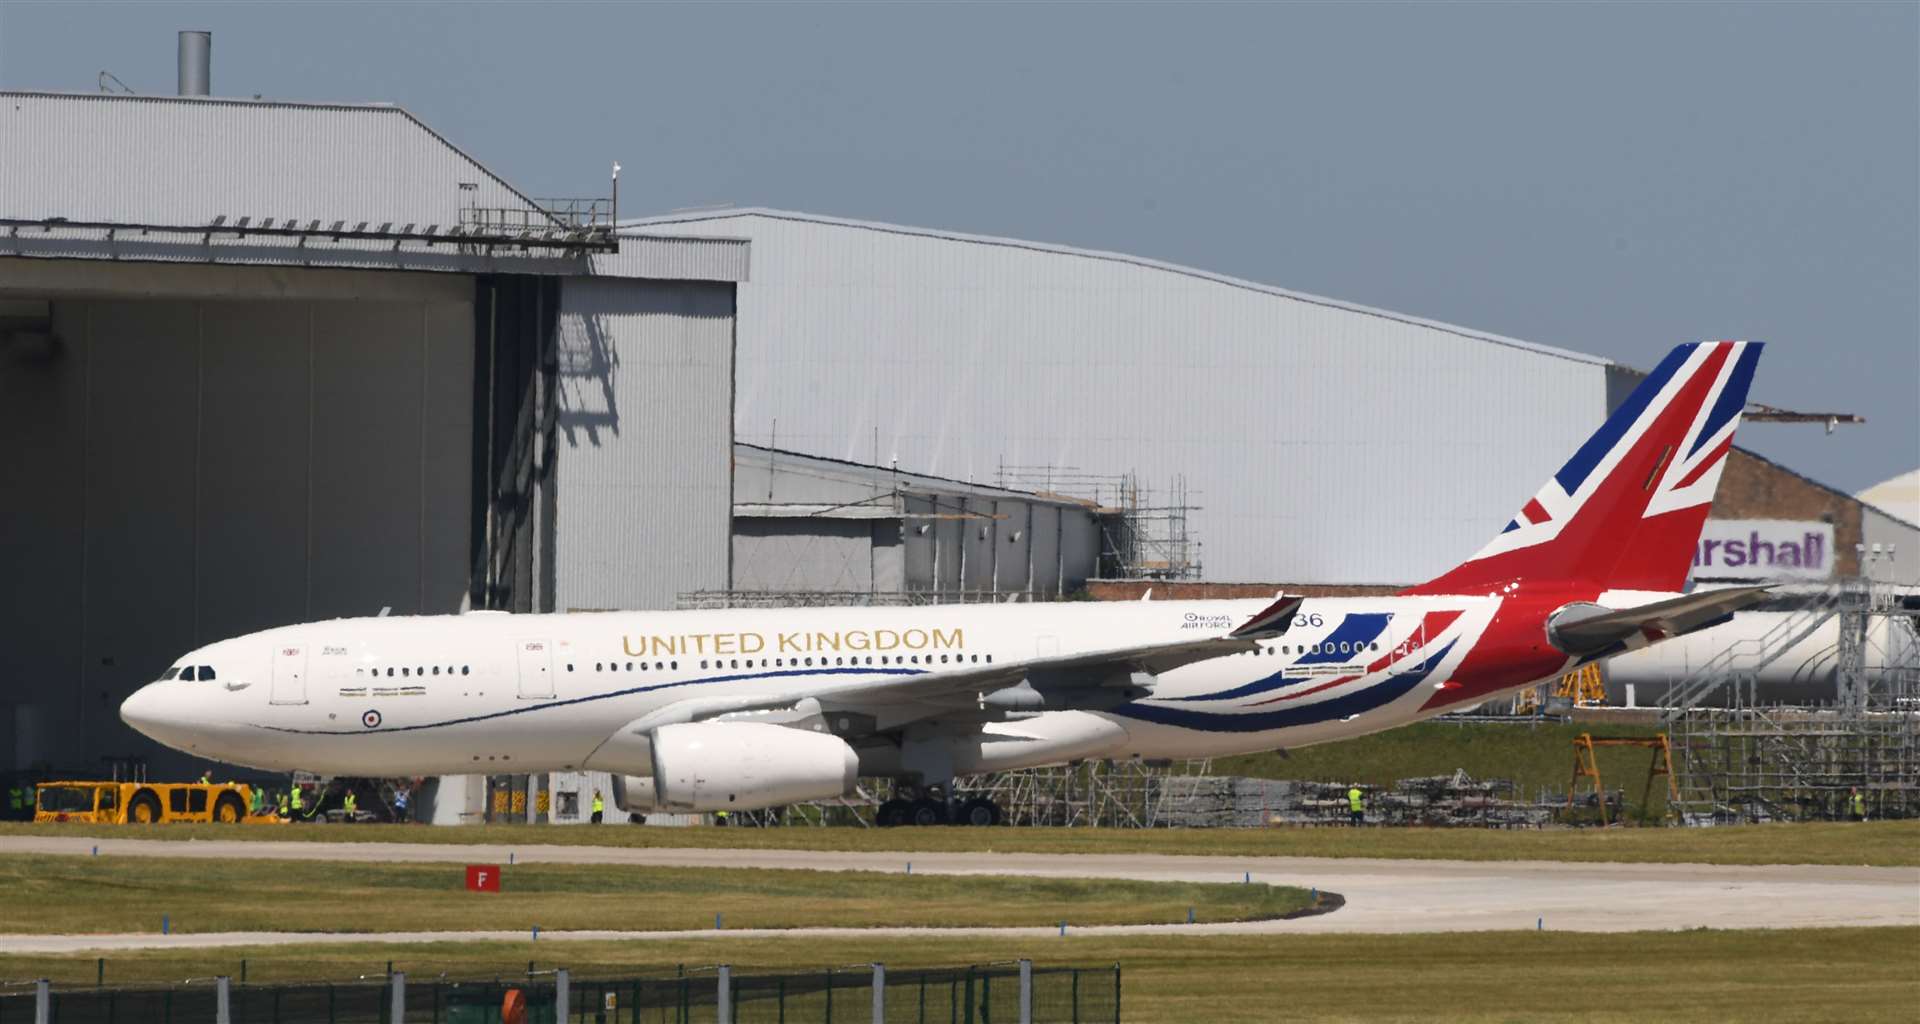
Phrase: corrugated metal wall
x=183 y=470
x=1008 y=542
x=643 y=470
x=1322 y=443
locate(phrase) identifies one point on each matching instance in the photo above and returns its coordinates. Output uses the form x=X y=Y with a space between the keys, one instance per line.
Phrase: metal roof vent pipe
x=196 y=63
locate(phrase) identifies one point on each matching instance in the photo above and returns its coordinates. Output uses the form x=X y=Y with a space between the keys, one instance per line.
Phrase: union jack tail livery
x=1625 y=512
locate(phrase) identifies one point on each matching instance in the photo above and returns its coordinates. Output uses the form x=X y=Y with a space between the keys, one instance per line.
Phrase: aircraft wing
x=1599 y=632
x=1088 y=680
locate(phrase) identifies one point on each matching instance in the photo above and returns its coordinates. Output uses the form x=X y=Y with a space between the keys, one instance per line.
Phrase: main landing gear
x=923 y=808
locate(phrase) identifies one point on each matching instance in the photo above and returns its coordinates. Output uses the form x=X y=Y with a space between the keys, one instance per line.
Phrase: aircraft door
x=289 y=674
x=1412 y=640
x=536 y=669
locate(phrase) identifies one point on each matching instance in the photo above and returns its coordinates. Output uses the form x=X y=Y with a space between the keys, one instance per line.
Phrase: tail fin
x=1625 y=512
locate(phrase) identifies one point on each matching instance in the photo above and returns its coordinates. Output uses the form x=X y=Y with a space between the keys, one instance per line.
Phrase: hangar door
x=230 y=450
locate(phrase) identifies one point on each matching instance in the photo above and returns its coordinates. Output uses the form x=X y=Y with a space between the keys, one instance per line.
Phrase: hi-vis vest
x=597 y=805
x=1860 y=804
x=351 y=803
x=295 y=797
x=1354 y=800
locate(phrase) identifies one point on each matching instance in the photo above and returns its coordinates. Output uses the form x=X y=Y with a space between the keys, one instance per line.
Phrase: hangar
x=263 y=362
x=1299 y=424
x=1324 y=446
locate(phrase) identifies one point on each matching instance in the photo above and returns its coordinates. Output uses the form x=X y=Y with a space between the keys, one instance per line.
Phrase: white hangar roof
x=1322 y=441
x=110 y=176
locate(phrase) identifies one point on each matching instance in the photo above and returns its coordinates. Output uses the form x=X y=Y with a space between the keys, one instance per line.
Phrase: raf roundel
x=371 y=719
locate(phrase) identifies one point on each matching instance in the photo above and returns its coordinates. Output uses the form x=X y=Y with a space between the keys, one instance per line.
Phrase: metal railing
x=1013 y=992
x=1718 y=671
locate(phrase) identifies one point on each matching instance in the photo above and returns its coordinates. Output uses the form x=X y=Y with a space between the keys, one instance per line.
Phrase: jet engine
x=635 y=794
x=738 y=766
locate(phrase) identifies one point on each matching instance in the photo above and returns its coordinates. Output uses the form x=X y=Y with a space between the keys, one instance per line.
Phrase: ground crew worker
x=256 y=800
x=206 y=778
x=1857 y=803
x=294 y=797
x=17 y=801
x=350 y=804
x=1356 y=806
x=283 y=805
x=599 y=807
x=719 y=817
x=400 y=800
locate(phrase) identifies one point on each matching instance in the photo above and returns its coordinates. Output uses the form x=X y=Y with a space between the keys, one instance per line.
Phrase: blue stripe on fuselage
x=1356 y=631
x=1379 y=695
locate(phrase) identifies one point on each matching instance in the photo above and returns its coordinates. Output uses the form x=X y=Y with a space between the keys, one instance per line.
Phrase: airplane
x=745 y=709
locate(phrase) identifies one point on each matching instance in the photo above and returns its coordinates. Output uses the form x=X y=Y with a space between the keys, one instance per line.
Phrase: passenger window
x=403 y=671
x=703 y=664
x=436 y=670
x=673 y=665
x=389 y=672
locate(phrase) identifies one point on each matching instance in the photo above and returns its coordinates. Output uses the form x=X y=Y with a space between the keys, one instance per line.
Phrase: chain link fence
x=1003 y=993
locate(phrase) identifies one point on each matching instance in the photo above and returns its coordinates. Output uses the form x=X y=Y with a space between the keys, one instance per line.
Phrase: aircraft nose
x=142 y=709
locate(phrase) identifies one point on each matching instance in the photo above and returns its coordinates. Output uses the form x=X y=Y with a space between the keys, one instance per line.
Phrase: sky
x=1612 y=179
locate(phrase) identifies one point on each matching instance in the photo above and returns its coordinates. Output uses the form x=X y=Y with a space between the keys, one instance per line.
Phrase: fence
x=1003 y=993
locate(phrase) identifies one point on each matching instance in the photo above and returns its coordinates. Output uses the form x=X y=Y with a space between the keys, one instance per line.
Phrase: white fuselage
x=491 y=692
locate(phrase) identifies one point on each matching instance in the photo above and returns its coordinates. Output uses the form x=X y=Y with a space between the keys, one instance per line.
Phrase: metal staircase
x=1704 y=681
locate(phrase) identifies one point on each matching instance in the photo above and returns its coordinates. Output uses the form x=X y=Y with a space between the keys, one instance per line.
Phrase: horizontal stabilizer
x=1589 y=630
x=1272 y=621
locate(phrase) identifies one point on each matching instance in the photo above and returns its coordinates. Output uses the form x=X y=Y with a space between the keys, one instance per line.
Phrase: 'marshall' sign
x=1764 y=549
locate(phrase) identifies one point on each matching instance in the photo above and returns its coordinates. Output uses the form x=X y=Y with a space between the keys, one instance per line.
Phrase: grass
x=1860 y=974
x=1881 y=843
x=68 y=894
x=1537 y=756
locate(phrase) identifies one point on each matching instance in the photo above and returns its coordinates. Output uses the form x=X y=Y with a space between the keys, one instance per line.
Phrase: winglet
x=1272 y=621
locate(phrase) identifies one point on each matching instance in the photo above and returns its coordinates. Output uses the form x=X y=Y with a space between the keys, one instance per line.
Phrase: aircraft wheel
x=980 y=812
x=927 y=812
x=891 y=813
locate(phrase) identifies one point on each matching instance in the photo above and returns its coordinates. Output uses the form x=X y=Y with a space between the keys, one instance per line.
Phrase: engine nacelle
x=635 y=794
x=741 y=766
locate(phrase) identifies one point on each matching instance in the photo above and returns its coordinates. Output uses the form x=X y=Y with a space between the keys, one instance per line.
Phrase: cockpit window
x=170 y=673
x=206 y=673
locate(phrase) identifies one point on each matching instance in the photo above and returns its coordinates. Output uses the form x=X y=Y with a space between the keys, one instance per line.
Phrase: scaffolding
x=1738 y=760
x=1125 y=793
x=1145 y=533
